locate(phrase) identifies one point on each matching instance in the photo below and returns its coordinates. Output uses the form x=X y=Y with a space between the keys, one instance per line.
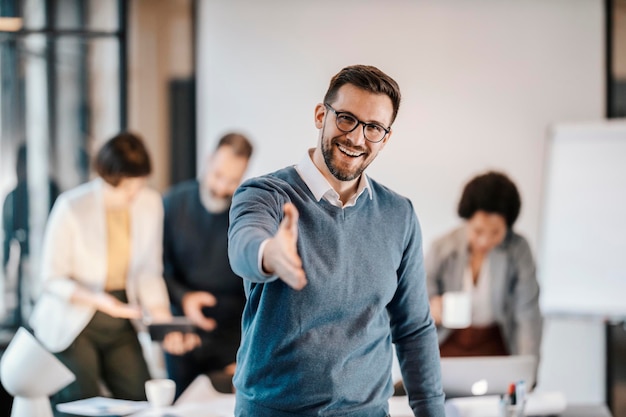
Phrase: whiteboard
x=582 y=248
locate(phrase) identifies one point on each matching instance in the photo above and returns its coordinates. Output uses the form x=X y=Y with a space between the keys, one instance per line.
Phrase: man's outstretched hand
x=280 y=255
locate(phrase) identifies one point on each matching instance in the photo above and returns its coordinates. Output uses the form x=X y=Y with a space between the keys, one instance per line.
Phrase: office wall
x=160 y=50
x=481 y=80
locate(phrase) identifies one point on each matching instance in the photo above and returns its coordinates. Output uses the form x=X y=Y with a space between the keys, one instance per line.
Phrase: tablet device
x=159 y=329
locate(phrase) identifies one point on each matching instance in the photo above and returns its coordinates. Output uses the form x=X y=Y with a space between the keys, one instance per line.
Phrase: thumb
x=291 y=218
x=208 y=299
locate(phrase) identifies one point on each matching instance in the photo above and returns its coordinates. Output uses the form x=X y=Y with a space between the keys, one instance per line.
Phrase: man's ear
x=320 y=112
x=386 y=139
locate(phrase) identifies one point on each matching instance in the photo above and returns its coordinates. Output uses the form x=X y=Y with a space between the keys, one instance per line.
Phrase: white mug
x=456 y=310
x=160 y=392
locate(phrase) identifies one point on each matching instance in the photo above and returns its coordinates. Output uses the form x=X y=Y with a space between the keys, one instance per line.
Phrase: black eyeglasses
x=346 y=122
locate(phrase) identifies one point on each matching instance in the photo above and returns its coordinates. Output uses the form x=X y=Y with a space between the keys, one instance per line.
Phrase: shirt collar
x=321 y=188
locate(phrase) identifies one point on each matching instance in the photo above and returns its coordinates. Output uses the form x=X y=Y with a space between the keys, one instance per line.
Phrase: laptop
x=485 y=375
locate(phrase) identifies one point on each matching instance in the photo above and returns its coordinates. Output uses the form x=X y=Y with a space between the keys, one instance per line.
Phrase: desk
x=398 y=407
x=586 y=411
x=200 y=399
x=200 y=410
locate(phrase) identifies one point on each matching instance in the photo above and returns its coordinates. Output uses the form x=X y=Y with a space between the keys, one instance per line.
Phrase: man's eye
x=374 y=128
x=344 y=118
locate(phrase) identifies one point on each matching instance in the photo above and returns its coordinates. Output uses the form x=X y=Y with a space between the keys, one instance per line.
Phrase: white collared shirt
x=482 y=312
x=320 y=188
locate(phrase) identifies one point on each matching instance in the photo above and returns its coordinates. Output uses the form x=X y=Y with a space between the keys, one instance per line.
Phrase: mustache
x=347 y=143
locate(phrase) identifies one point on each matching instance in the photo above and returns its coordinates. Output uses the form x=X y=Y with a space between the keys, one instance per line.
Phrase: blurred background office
x=482 y=82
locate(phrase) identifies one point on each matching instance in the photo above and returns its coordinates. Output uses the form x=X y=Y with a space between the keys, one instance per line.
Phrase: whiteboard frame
x=558 y=131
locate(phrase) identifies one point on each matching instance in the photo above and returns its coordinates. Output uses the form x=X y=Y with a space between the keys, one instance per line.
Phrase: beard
x=329 y=147
x=213 y=203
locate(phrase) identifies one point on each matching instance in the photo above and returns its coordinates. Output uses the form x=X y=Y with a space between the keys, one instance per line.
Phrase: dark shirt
x=195 y=258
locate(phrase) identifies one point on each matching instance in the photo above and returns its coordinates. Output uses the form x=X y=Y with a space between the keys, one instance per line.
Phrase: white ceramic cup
x=160 y=392
x=456 y=310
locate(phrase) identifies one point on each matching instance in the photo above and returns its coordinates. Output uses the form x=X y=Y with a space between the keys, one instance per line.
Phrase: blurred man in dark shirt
x=200 y=282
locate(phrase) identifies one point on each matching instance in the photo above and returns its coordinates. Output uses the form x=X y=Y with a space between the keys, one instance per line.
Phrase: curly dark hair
x=123 y=156
x=492 y=192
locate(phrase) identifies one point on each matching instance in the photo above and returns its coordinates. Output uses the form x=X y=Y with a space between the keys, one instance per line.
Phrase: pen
x=520 y=391
x=511 y=394
x=504 y=402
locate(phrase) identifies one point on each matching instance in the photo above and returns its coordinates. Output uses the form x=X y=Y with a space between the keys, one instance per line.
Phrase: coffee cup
x=160 y=392
x=456 y=310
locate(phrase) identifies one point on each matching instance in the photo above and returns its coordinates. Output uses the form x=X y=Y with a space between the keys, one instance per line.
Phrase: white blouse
x=482 y=311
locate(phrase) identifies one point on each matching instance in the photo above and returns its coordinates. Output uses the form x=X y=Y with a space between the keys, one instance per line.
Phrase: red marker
x=511 y=394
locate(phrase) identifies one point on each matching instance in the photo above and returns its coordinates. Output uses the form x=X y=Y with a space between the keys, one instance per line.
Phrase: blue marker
x=520 y=392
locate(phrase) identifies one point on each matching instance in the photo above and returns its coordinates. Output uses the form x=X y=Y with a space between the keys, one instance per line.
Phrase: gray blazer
x=514 y=286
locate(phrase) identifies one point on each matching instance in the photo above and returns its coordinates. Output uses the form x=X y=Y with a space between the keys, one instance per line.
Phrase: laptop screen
x=485 y=375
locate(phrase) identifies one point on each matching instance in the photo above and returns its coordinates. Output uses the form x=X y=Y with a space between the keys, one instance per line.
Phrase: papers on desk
x=102 y=406
x=200 y=399
x=538 y=404
x=201 y=390
x=203 y=409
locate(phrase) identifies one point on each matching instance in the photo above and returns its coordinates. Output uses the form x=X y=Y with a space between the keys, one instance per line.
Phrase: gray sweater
x=326 y=350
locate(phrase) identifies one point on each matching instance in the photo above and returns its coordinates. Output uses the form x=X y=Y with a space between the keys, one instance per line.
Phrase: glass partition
x=61 y=91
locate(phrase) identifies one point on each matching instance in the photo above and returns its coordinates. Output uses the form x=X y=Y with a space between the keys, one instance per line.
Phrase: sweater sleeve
x=57 y=256
x=255 y=214
x=413 y=330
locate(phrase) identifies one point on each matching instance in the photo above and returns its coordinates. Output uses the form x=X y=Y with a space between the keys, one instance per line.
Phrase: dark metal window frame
x=615 y=90
x=52 y=33
x=11 y=8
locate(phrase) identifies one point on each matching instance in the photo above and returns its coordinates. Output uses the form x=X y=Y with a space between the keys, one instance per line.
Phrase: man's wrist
x=260 y=259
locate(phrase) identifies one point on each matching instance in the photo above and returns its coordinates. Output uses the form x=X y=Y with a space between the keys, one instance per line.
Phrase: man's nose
x=357 y=135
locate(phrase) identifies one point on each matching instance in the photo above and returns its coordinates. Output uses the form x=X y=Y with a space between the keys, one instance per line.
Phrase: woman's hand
x=231 y=368
x=115 y=308
x=436 y=308
x=177 y=343
x=106 y=303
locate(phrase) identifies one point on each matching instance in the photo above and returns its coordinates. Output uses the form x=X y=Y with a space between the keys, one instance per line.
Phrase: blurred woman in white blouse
x=102 y=273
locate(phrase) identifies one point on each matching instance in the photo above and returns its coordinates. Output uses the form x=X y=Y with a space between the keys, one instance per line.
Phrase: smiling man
x=333 y=271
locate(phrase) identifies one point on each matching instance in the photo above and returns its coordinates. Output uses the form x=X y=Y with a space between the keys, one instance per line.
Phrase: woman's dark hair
x=492 y=192
x=367 y=78
x=123 y=156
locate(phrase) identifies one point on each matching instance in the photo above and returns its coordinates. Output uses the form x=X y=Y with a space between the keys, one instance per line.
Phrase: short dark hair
x=238 y=142
x=123 y=156
x=492 y=192
x=367 y=78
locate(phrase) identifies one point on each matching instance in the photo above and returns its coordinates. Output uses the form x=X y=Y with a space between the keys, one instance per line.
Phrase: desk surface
x=200 y=409
x=586 y=411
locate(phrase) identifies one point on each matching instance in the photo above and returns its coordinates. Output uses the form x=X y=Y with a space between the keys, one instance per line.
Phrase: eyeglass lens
x=347 y=123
